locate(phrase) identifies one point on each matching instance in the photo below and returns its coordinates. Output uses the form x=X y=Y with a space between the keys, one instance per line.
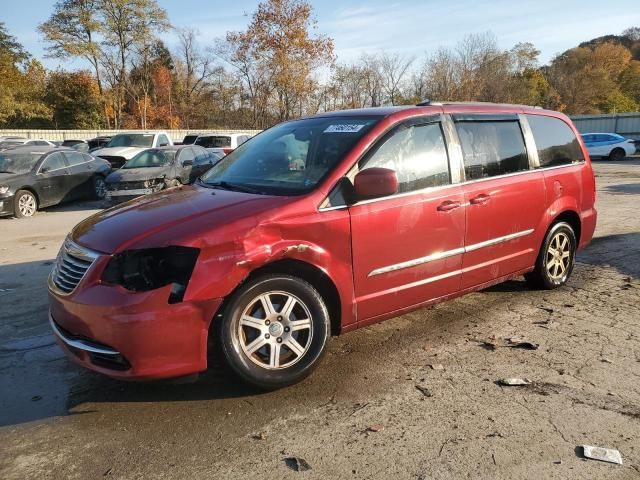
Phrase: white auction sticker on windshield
x=344 y=128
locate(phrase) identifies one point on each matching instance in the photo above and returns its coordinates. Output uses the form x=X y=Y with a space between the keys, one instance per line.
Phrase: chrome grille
x=71 y=265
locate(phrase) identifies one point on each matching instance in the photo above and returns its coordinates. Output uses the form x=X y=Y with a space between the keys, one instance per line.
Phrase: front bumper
x=7 y=205
x=128 y=335
x=129 y=193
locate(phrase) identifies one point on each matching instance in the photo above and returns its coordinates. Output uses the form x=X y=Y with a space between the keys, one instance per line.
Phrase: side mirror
x=44 y=169
x=163 y=144
x=375 y=182
x=187 y=163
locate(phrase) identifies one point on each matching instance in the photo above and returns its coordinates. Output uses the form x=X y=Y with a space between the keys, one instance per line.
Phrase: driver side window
x=418 y=155
x=186 y=154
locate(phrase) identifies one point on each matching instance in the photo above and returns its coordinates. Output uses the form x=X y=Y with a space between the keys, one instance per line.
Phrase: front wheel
x=99 y=188
x=25 y=204
x=274 y=331
x=556 y=258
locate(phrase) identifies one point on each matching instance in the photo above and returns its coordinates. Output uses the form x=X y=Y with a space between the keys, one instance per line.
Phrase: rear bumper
x=134 y=336
x=588 y=222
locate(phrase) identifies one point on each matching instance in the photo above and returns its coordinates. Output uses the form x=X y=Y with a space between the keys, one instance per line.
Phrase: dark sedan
x=37 y=177
x=155 y=169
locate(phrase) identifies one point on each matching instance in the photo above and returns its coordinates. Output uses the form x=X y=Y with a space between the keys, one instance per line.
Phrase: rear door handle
x=480 y=199
x=448 y=205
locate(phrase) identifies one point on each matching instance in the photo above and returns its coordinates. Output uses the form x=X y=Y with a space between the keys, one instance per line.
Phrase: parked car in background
x=98 y=142
x=10 y=137
x=41 y=176
x=156 y=169
x=79 y=145
x=608 y=145
x=222 y=143
x=125 y=146
x=394 y=209
x=36 y=142
x=190 y=138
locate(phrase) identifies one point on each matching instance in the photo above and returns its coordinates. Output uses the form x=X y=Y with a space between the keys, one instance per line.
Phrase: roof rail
x=427 y=103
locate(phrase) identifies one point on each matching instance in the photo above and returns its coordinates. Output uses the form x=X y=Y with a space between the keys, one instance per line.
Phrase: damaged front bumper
x=130 y=193
x=130 y=335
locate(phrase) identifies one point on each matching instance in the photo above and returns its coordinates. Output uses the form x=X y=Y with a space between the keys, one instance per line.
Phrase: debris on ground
x=510 y=342
x=297 y=464
x=259 y=436
x=375 y=428
x=36 y=398
x=424 y=390
x=436 y=366
x=609 y=455
x=513 y=382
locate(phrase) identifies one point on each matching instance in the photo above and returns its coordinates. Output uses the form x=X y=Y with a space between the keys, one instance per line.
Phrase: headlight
x=152 y=268
x=3 y=190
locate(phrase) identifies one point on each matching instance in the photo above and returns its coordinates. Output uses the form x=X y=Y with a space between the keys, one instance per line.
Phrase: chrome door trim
x=497 y=240
x=80 y=344
x=416 y=261
x=449 y=253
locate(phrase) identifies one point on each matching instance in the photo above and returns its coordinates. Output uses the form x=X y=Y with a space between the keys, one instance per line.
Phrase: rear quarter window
x=555 y=141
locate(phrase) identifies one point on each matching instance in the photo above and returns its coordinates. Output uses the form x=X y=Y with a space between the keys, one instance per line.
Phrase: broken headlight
x=152 y=268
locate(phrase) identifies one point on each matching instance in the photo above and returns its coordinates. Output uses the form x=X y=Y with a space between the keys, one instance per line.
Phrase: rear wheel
x=617 y=154
x=274 y=331
x=99 y=187
x=25 y=204
x=556 y=258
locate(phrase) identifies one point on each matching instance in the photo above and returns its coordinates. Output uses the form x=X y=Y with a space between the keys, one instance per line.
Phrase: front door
x=407 y=248
x=504 y=197
x=52 y=181
x=80 y=174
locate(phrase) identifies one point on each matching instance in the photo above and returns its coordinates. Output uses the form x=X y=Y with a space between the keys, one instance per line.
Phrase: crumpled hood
x=137 y=174
x=171 y=217
x=126 y=152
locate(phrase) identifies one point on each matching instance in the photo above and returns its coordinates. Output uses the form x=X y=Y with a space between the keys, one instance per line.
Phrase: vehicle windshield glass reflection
x=18 y=162
x=151 y=158
x=131 y=140
x=290 y=158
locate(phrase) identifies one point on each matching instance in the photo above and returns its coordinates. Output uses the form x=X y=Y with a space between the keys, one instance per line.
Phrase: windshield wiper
x=233 y=187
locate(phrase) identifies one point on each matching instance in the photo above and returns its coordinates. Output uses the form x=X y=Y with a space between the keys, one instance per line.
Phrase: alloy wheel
x=275 y=330
x=27 y=205
x=558 y=256
x=100 y=188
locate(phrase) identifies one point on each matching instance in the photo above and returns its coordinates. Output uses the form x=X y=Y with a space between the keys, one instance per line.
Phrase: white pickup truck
x=125 y=146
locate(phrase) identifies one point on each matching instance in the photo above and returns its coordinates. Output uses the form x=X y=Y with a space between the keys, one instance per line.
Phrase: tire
x=553 y=269
x=25 y=204
x=99 y=187
x=271 y=351
x=617 y=154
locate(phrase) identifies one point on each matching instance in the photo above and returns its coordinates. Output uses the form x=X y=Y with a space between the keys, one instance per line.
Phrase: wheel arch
x=31 y=190
x=312 y=274
x=573 y=219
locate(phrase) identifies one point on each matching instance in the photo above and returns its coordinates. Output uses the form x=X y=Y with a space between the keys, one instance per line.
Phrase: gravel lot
x=361 y=415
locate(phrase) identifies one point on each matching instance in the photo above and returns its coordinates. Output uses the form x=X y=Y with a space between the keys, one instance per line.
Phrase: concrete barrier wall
x=176 y=135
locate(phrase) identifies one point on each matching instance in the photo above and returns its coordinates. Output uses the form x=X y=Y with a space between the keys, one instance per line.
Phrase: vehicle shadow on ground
x=623 y=189
x=614 y=250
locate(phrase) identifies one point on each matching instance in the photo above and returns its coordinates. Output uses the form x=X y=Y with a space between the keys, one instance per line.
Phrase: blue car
x=608 y=145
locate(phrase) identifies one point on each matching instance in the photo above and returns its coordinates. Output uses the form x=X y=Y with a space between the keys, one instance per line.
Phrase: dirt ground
x=414 y=397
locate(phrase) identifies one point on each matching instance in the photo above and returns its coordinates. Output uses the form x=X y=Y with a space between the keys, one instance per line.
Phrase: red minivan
x=319 y=226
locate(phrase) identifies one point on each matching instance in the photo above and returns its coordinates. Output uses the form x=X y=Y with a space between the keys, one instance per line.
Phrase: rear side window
x=417 y=154
x=555 y=141
x=492 y=148
x=75 y=158
x=214 y=142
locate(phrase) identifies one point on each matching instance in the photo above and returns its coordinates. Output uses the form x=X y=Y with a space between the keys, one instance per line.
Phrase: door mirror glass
x=375 y=182
x=187 y=163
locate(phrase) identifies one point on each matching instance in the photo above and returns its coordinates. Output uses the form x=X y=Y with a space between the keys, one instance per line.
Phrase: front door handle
x=448 y=205
x=480 y=199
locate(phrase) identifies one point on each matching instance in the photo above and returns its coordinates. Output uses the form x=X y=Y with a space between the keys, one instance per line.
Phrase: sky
x=409 y=27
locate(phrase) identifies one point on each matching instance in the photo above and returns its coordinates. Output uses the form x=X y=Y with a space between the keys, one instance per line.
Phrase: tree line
x=279 y=67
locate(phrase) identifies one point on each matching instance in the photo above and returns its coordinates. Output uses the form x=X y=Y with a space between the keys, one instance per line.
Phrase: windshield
x=11 y=162
x=214 y=141
x=151 y=158
x=131 y=140
x=290 y=158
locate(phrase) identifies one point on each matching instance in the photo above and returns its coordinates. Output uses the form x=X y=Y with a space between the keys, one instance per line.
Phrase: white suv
x=222 y=143
x=125 y=146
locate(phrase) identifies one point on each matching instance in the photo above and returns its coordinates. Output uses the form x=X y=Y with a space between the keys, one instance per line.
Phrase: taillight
x=227 y=151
